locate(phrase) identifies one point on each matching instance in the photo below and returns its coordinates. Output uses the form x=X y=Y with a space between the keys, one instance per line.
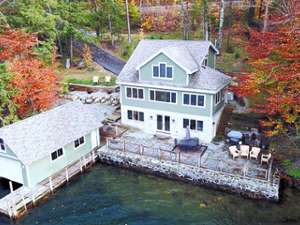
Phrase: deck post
x=117 y=130
x=11 y=187
x=124 y=145
x=179 y=156
x=33 y=199
x=50 y=183
x=93 y=156
x=107 y=142
x=24 y=203
x=67 y=174
x=80 y=165
x=143 y=147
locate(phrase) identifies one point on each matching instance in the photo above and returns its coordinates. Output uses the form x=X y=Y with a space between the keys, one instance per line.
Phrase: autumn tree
x=275 y=76
x=35 y=83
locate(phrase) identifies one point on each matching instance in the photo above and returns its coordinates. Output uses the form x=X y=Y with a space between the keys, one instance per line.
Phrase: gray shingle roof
x=188 y=53
x=36 y=137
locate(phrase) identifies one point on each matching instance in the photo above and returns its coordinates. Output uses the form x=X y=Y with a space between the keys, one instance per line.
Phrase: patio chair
x=245 y=150
x=234 y=151
x=254 y=153
x=265 y=158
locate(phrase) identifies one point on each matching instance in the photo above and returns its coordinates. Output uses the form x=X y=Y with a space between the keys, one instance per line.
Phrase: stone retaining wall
x=248 y=187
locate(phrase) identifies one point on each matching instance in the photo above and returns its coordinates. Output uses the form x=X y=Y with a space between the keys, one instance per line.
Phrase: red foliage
x=35 y=83
x=275 y=77
x=16 y=43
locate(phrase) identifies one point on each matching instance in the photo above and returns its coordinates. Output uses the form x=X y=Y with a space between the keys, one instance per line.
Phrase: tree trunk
x=128 y=22
x=185 y=20
x=266 y=16
x=221 y=22
x=71 y=50
x=111 y=31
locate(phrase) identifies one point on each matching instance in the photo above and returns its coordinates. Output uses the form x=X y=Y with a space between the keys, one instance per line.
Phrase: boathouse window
x=79 y=142
x=163 y=96
x=193 y=100
x=58 y=153
x=2 y=145
x=162 y=71
x=135 y=115
x=137 y=93
x=193 y=124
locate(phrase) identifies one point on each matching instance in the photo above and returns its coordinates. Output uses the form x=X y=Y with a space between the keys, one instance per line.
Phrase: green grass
x=85 y=76
x=232 y=62
x=290 y=169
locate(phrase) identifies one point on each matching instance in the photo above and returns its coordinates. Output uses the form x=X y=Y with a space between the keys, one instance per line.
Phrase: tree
x=87 y=56
x=221 y=22
x=35 y=83
x=275 y=77
x=128 y=21
x=7 y=107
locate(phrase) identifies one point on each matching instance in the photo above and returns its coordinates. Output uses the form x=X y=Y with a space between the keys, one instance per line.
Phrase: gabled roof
x=36 y=137
x=178 y=54
x=187 y=54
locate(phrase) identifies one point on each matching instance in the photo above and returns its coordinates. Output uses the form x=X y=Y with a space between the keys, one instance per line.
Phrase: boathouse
x=33 y=149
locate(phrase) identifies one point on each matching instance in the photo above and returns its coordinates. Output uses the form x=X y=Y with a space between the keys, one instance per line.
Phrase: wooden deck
x=19 y=201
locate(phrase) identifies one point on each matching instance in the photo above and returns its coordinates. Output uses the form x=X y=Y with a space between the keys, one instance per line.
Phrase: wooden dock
x=17 y=203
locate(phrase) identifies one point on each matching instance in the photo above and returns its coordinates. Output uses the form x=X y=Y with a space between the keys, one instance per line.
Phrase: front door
x=163 y=123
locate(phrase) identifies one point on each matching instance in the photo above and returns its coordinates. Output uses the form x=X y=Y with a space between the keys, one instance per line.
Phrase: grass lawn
x=85 y=76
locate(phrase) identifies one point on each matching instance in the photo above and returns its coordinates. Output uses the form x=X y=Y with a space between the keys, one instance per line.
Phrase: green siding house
x=170 y=85
x=35 y=148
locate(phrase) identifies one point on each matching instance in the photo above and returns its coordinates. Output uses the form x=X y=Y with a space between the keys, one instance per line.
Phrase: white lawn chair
x=234 y=152
x=265 y=158
x=245 y=149
x=254 y=153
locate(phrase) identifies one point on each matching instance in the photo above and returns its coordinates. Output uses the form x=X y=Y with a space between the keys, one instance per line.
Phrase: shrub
x=290 y=169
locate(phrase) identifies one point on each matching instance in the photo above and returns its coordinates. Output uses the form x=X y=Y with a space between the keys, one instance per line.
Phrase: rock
x=89 y=101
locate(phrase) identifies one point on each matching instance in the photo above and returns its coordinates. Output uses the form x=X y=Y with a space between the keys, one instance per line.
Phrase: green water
x=109 y=195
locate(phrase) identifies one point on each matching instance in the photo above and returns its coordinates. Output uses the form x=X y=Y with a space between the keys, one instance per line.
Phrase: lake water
x=108 y=195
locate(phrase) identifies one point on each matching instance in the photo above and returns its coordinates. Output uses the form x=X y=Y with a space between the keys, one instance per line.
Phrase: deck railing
x=197 y=161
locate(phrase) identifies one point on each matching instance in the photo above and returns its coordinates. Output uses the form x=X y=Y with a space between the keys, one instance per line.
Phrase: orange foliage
x=35 y=83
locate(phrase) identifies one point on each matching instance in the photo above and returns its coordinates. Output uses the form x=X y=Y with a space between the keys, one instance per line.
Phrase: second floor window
x=2 y=145
x=79 y=142
x=193 y=100
x=162 y=71
x=137 y=93
x=219 y=96
x=163 y=96
x=58 y=153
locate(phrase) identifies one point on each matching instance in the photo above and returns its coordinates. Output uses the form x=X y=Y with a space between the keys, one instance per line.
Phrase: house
x=168 y=85
x=33 y=149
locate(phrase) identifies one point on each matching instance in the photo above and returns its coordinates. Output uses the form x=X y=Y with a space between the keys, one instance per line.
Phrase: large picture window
x=57 y=154
x=162 y=71
x=136 y=93
x=163 y=96
x=193 y=100
x=193 y=124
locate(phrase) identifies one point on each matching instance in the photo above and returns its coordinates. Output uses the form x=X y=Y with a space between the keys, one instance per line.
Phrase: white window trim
x=140 y=99
x=133 y=116
x=173 y=103
x=196 y=130
x=80 y=145
x=195 y=106
x=59 y=157
x=163 y=78
x=221 y=97
x=3 y=150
